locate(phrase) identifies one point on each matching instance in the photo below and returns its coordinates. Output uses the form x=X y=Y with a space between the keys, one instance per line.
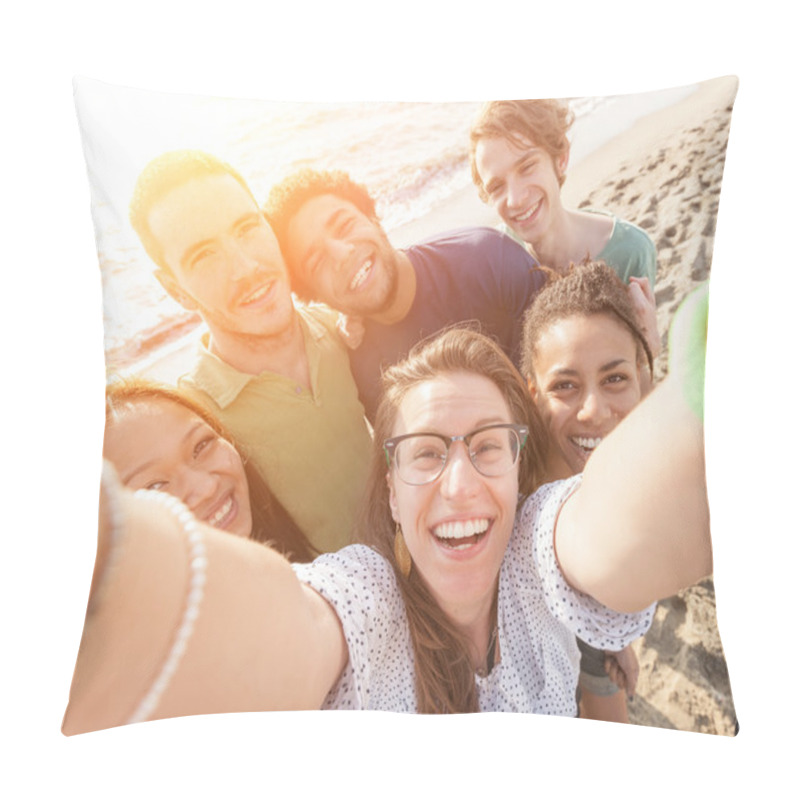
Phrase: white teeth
x=587 y=443
x=361 y=275
x=461 y=529
x=221 y=514
x=528 y=214
x=256 y=295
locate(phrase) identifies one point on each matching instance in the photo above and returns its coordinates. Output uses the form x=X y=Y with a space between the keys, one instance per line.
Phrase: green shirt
x=311 y=447
x=630 y=252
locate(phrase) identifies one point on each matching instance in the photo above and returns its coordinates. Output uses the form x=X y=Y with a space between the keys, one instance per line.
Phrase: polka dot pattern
x=539 y=616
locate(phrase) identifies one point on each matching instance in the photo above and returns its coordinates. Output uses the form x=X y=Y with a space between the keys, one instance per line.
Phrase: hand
x=351 y=329
x=644 y=304
x=623 y=668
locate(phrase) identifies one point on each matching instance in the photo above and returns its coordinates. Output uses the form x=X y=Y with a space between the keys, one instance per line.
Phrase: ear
x=392 y=498
x=173 y=289
x=561 y=163
x=532 y=388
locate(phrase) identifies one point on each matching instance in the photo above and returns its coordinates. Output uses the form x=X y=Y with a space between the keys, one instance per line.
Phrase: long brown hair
x=589 y=288
x=272 y=523
x=444 y=677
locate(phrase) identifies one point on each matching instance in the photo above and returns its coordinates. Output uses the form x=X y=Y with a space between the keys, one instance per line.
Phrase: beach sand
x=664 y=173
x=667 y=179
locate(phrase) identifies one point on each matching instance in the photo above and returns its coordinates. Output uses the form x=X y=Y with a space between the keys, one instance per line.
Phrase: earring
x=401 y=554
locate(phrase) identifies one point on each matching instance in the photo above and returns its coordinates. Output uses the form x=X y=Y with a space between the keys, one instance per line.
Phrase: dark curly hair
x=287 y=197
x=591 y=287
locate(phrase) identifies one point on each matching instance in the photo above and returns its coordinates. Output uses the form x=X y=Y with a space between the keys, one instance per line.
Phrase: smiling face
x=586 y=379
x=457 y=527
x=158 y=444
x=522 y=184
x=223 y=258
x=343 y=256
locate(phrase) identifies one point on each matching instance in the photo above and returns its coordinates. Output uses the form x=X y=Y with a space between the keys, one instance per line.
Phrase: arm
x=261 y=640
x=644 y=304
x=623 y=668
x=637 y=529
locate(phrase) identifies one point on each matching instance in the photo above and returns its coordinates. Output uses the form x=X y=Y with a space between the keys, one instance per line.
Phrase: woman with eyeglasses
x=466 y=595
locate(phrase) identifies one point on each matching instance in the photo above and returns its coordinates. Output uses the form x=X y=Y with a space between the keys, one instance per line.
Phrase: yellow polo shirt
x=312 y=447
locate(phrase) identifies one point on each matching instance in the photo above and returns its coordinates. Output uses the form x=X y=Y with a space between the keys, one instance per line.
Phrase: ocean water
x=411 y=157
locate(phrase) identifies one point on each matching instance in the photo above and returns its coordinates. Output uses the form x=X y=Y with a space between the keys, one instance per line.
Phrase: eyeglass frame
x=390 y=448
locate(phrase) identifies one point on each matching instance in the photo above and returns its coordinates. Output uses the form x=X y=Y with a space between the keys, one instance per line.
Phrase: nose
x=197 y=486
x=459 y=479
x=594 y=408
x=514 y=194
x=337 y=251
x=240 y=261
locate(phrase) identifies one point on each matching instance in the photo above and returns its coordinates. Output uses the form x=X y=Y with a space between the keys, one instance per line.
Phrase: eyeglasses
x=420 y=458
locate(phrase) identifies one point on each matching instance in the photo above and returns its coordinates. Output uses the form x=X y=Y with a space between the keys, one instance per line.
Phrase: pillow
x=655 y=160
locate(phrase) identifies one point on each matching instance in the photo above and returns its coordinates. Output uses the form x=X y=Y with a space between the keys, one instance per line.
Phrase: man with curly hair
x=338 y=253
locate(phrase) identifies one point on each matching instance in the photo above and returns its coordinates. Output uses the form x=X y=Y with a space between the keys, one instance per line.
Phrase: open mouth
x=224 y=514
x=461 y=534
x=529 y=214
x=587 y=444
x=361 y=275
x=258 y=295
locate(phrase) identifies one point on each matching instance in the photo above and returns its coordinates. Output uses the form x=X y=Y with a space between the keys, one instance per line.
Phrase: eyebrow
x=569 y=371
x=197 y=246
x=533 y=151
x=482 y=423
x=153 y=461
x=329 y=222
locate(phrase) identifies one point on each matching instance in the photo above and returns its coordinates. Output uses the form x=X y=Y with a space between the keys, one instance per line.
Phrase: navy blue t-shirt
x=467 y=274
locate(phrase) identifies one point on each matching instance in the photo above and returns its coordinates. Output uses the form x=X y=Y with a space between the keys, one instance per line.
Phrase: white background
x=53 y=384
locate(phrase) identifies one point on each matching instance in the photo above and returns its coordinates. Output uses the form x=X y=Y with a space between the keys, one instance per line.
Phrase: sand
x=664 y=173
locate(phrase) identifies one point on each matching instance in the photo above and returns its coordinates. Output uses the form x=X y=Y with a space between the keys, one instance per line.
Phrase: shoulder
x=355 y=579
x=627 y=231
x=539 y=512
x=319 y=318
x=630 y=250
x=211 y=381
x=474 y=240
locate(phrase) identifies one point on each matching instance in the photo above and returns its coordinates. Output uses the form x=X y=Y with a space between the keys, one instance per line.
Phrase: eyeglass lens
x=422 y=458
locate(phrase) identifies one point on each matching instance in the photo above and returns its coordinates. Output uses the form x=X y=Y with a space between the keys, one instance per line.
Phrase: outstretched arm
x=260 y=641
x=637 y=528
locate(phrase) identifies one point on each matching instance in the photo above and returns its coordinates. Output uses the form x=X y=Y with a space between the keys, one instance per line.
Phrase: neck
x=572 y=237
x=404 y=296
x=283 y=353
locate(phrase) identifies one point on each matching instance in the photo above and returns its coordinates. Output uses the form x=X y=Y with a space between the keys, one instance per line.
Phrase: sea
x=411 y=156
